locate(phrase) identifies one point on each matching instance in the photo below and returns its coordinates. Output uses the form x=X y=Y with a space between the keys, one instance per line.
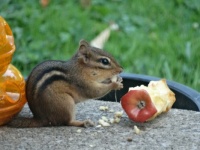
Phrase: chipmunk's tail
x=26 y=123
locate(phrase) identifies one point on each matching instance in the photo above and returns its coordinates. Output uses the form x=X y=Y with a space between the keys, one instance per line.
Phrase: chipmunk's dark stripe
x=47 y=70
x=44 y=71
x=52 y=79
x=41 y=72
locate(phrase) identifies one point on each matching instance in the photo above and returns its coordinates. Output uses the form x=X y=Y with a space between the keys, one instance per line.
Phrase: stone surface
x=177 y=129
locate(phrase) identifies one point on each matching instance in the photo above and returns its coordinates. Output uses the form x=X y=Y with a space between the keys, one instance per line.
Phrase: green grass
x=157 y=37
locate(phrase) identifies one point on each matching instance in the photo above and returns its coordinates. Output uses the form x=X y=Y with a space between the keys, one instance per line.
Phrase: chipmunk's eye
x=104 y=61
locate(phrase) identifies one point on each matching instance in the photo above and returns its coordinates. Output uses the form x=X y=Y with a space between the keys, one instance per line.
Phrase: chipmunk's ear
x=83 y=46
x=84 y=51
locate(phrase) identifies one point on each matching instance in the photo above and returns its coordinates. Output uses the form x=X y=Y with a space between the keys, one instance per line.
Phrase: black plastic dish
x=186 y=98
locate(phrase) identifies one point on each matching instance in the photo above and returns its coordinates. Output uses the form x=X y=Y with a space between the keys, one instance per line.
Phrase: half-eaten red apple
x=138 y=105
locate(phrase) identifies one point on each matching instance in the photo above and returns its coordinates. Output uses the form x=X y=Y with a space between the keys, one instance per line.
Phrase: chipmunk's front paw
x=88 y=123
x=118 y=84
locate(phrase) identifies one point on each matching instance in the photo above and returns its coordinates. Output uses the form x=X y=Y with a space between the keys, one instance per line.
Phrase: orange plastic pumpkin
x=12 y=83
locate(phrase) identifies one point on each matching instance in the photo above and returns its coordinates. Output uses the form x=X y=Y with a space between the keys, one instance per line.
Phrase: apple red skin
x=130 y=102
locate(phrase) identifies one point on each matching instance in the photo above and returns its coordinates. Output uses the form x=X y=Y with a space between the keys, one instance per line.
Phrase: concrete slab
x=177 y=129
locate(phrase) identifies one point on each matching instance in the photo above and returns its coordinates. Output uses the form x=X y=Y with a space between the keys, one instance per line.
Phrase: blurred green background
x=158 y=37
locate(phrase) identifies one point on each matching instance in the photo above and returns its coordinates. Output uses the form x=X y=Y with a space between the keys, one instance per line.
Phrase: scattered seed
x=99 y=126
x=137 y=130
x=117 y=120
x=103 y=123
x=104 y=118
x=118 y=114
x=112 y=120
x=79 y=131
x=103 y=108
x=91 y=145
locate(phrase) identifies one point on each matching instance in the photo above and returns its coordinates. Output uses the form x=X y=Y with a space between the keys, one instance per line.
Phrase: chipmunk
x=54 y=87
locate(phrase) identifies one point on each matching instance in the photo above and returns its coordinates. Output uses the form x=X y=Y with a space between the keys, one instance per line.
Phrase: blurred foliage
x=158 y=38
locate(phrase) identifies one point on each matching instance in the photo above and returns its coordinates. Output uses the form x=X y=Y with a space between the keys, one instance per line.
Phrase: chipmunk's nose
x=120 y=69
